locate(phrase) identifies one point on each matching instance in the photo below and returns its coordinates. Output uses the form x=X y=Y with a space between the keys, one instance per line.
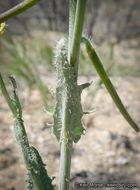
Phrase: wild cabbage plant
x=68 y=127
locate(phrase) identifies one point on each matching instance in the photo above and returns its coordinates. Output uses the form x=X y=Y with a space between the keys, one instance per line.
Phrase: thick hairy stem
x=69 y=132
x=68 y=112
x=109 y=86
x=21 y=7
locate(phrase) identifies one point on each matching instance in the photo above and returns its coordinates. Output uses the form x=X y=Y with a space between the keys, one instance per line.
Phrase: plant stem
x=107 y=82
x=21 y=7
x=72 y=12
x=65 y=165
x=77 y=10
x=39 y=178
x=78 y=26
x=7 y=97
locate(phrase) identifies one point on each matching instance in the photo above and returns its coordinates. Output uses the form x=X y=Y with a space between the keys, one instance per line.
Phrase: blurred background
x=109 y=152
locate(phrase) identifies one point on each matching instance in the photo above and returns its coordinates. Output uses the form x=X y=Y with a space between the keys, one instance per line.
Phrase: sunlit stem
x=72 y=13
x=65 y=165
x=77 y=32
x=109 y=86
x=7 y=97
x=21 y=7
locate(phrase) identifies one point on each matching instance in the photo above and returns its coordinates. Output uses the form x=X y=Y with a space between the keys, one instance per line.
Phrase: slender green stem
x=7 y=97
x=72 y=12
x=78 y=26
x=103 y=75
x=65 y=165
x=21 y=7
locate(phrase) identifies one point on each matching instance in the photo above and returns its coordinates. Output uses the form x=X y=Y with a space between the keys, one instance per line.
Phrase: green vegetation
x=37 y=174
x=68 y=112
x=25 y=65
